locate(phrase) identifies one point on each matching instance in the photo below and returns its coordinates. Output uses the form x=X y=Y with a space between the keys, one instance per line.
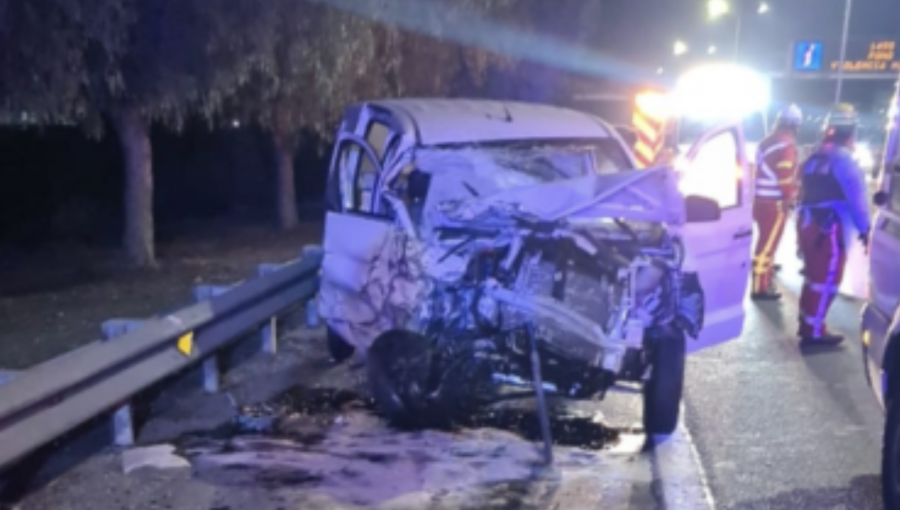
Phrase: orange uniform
x=776 y=191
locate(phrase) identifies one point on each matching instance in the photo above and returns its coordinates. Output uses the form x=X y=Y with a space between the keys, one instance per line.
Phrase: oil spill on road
x=324 y=445
x=301 y=413
x=304 y=414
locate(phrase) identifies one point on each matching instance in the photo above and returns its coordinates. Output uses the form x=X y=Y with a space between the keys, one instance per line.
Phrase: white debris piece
x=158 y=457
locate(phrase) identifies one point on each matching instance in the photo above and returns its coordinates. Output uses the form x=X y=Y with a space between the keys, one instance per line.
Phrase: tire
x=339 y=349
x=662 y=393
x=890 y=454
x=399 y=370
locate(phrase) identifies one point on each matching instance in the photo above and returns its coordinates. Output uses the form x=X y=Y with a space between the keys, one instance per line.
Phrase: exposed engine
x=592 y=295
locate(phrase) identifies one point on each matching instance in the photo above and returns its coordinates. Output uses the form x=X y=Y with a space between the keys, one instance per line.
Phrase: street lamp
x=718 y=8
x=679 y=48
x=848 y=8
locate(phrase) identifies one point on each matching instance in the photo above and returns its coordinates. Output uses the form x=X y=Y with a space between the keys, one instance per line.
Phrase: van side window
x=358 y=174
x=377 y=135
x=715 y=171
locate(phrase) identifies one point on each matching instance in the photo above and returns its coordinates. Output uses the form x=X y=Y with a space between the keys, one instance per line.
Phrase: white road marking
x=677 y=467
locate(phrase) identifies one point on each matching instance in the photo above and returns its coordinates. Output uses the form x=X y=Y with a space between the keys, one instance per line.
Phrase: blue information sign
x=808 y=56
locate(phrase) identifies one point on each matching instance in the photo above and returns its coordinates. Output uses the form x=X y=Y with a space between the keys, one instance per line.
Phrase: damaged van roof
x=452 y=121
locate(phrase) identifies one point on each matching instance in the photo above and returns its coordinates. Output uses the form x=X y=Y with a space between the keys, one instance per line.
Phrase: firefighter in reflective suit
x=832 y=208
x=776 y=187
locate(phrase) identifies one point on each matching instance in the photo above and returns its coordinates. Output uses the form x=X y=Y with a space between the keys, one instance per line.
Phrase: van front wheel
x=662 y=393
x=399 y=367
x=339 y=349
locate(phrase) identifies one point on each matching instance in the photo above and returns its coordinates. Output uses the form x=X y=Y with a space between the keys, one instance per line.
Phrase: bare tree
x=315 y=59
x=132 y=62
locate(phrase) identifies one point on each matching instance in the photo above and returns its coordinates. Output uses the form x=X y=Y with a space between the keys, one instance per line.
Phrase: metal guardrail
x=45 y=402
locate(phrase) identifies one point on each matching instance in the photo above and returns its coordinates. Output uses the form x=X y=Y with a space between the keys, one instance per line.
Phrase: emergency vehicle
x=881 y=314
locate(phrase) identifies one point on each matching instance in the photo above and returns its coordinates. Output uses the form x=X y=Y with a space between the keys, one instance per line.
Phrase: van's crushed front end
x=458 y=289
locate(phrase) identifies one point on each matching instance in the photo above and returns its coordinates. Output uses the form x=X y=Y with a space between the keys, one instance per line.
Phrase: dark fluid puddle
x=566 y=429
x=304 y=414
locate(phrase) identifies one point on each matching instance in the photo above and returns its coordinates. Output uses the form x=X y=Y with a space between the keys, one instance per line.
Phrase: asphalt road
x=769 y=426
x=781 y=428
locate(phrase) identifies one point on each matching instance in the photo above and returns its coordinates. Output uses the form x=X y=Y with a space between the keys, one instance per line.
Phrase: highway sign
x=808 y=55
x=865 y=58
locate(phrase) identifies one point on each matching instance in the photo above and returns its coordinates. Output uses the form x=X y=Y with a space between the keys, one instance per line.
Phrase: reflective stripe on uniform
x=765 y=192
x=764 y=261
x=770 y=150
x=767 y=182
x=818 y=325
x=825 y=289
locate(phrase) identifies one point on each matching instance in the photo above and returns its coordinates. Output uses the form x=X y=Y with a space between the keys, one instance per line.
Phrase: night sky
x=643 y=32
x=645 y=29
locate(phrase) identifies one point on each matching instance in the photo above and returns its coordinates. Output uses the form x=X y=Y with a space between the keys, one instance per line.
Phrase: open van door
x=716 y=167
x=354 y=236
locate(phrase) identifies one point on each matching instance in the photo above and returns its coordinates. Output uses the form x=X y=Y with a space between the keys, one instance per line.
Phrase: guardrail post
x=312 y=306
x=122 y=421
x=268 y=335
x=312 y=313
x=212 y=380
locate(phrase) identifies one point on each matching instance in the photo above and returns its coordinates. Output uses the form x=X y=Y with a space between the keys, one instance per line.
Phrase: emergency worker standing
x=833 y=205
x=776 y=190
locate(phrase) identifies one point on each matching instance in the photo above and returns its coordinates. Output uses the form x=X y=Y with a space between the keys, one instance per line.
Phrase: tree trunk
x=287 y=196
x=134 y=136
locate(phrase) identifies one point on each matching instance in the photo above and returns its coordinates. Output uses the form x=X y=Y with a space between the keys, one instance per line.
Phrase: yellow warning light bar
x=653 y=104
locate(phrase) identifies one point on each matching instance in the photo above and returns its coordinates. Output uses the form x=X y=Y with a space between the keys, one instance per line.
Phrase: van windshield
x=522 y=163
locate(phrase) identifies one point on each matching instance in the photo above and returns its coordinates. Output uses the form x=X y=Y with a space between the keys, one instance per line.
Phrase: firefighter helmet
x=790 y=116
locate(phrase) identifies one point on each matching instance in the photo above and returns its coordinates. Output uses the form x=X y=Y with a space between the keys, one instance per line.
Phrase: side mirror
x=701 y=209
x=880 y=199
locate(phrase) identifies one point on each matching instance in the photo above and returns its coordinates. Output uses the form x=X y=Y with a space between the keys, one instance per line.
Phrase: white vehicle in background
x=881 y=315
x=472 y=244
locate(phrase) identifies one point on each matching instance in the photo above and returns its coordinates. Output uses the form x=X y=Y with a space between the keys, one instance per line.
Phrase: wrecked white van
x=474 y=245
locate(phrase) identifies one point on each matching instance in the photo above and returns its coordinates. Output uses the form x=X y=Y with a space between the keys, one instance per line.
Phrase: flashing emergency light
x=653 y=104
x=721 y=92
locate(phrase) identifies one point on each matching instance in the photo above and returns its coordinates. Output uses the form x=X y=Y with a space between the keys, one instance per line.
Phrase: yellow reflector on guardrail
x=186 y=344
